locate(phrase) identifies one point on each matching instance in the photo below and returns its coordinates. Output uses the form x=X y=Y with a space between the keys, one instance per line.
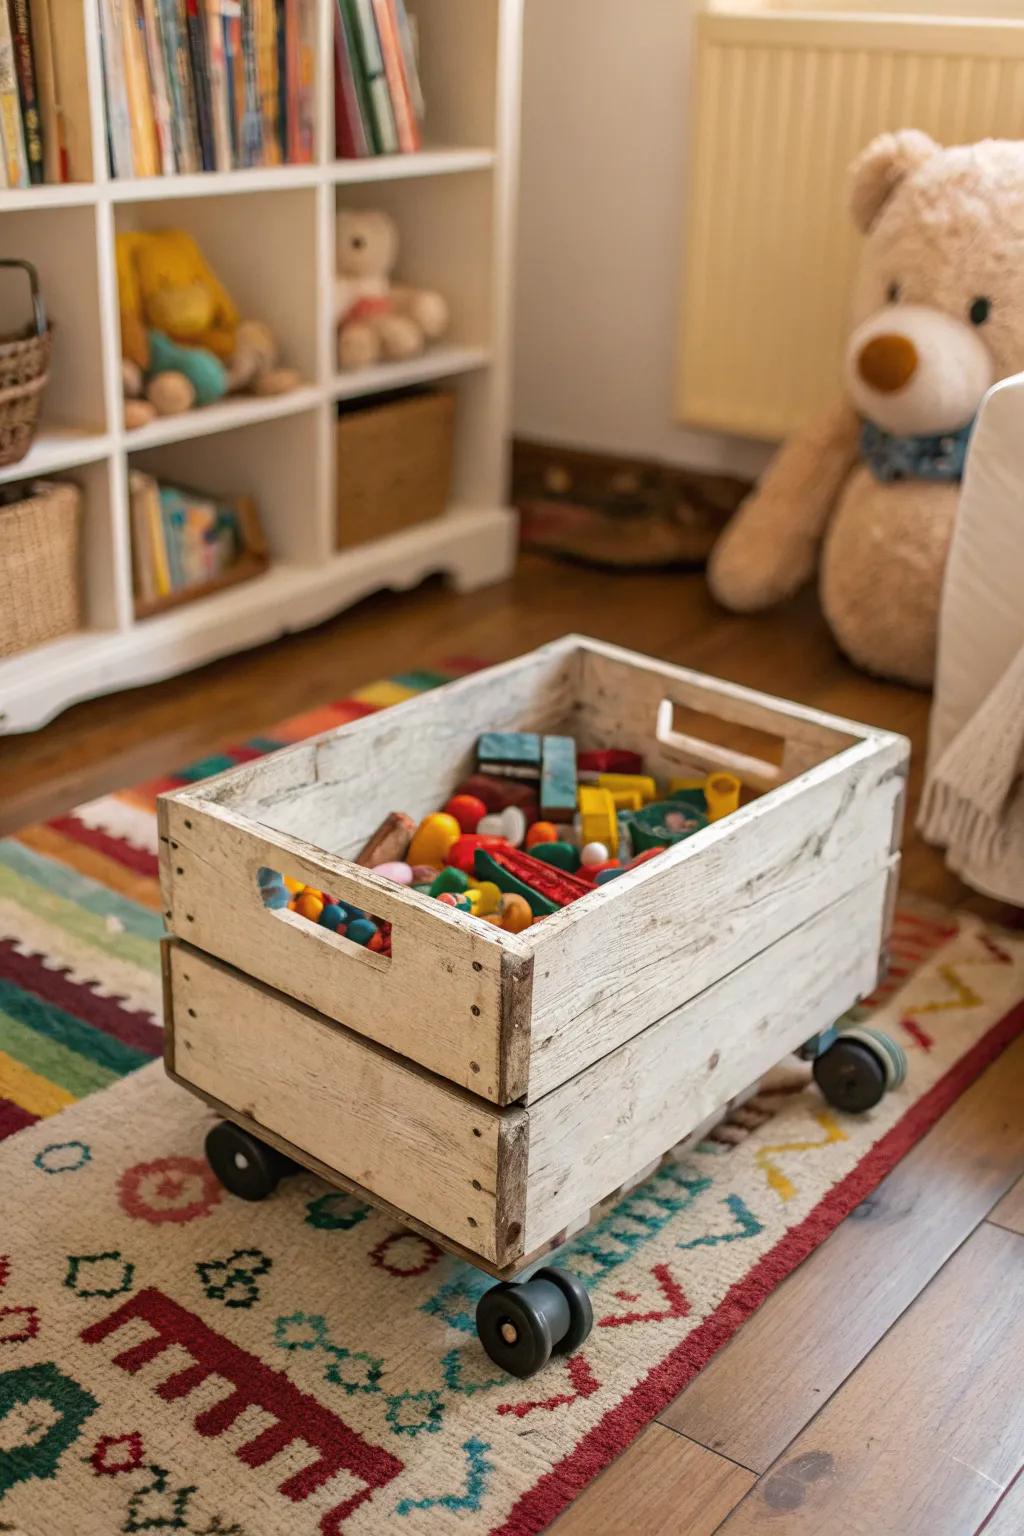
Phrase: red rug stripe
x=14 y=1118
x=106 y=1013
x=621 y=1424
x=139 y=859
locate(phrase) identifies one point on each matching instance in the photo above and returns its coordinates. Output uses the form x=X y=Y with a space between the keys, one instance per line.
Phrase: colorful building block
x=558 y=778
x=598 y=822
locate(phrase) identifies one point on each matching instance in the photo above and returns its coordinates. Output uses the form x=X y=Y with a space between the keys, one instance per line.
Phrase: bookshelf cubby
x=270 y=234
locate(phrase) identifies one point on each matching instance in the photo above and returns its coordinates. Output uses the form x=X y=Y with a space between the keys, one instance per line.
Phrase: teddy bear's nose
x=888 y=362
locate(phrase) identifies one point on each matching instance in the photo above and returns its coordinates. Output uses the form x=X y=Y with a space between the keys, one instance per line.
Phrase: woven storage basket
x=394 y=465
x=24 y=370
x=39 y=585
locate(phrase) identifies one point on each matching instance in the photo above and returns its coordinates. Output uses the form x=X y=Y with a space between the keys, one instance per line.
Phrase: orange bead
x=515 y=913
x=542 y=832
x=295 y=886
x=309 y=905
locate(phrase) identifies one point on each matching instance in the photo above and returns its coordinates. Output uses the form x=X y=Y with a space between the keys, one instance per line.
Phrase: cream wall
x=605 y=117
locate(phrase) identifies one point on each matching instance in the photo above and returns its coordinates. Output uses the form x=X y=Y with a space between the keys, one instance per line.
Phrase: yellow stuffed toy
x=166 y=286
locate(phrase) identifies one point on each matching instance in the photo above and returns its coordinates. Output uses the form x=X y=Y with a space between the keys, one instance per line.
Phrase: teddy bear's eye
x=358 y=242
x=980 y=311
x=893 y=293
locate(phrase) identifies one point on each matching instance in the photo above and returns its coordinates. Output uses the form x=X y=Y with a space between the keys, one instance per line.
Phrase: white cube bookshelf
x=270 y=234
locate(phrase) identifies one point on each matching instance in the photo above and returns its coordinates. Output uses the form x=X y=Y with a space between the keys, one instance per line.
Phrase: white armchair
x=974 y=797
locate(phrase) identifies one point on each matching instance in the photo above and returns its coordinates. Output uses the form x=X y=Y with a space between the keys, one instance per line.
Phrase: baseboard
x=610 y=510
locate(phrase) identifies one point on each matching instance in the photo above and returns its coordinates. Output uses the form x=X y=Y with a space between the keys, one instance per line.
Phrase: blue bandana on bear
x=939 y=457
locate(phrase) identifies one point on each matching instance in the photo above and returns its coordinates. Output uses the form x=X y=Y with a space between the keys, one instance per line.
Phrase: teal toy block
x=558 y=778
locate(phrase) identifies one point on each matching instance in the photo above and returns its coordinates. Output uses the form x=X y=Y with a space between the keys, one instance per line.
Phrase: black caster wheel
x=521 y=1324
x=246 y=1166
x=858 y=1068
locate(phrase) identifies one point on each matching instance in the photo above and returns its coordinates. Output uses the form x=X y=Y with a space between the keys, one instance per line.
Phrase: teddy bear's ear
x=879 y=169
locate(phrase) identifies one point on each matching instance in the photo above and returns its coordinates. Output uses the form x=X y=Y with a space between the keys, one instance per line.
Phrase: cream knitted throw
x=973 y=803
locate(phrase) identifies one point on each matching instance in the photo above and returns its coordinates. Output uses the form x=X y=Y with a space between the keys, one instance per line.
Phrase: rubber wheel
x=852 y=1075
x=581 y=1312
x=521 y=1324
x=245 y=1166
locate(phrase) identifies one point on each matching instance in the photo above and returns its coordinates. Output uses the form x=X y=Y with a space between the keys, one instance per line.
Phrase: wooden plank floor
x=878 y=1392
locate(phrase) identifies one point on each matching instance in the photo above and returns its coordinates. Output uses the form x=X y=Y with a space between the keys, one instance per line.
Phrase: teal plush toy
x=205 y=375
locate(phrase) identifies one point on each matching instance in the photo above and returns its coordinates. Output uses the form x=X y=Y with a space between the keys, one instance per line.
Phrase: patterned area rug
x=172 y=1359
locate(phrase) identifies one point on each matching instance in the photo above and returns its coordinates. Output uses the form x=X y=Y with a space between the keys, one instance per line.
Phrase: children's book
x=145 y=148
x=407 y=41
x=161 y=91
x=55 y=168
x=371 y=61
x=15 y=158
x=350 y=137
x=119 y=128
x=24 y=63
x=406 y=126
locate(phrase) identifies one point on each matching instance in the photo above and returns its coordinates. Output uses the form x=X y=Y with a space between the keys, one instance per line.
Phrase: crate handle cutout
x=305 y=908
x=754 y=772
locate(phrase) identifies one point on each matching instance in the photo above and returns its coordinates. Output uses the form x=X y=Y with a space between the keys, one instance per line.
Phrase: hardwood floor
x=878 y=1392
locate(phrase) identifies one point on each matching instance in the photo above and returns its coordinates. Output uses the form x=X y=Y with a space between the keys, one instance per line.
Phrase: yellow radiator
x=784 y=100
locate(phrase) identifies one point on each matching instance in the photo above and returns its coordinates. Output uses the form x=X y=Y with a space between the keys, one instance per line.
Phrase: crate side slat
x=657 y=1087
x=409 y=1139
x=625 y=956
x=438 y=1000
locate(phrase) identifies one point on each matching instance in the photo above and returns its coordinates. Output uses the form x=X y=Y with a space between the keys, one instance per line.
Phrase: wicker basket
x=24 y=370
x=39 y=585
x=394 y=465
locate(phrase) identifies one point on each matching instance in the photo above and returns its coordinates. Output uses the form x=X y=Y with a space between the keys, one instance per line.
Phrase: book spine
x=252 y=121
x=191 y=157
x=24 y=61
x=308 y=21
x=54 y=150
x=362 y=118
x=372 y=61
x=158 y=538
x=407 y=44
x=166 y=27
x=201 y=83
x=290 y=36
x=280 y=45
x=145 y=150
x=10 y=107
x=227 y=22
x=346 y=108
x=266 y=74
x=161 y=95
x=406 y=126
x=218 y=86
x=143 y=554
x=118 y=122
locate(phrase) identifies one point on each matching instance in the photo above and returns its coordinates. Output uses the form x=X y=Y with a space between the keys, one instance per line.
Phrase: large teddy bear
x=873 y=481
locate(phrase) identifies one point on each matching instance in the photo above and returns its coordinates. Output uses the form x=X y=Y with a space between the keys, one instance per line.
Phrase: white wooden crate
x=470 y=1080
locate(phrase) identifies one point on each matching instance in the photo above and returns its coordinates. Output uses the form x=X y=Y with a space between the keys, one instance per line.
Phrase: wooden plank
x=662 y=1485
x=456 y=1163
x=662 y=1083
x=813 y=1331
x=926 y=1435
x=1010 y=1211
x=437 y=1000
x=610 y=965
x=407 y=758
x=621 y=692
x=1007 y=1519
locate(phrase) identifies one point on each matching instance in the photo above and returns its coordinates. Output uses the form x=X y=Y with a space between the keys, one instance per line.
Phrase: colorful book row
x=31 y=118
x=183 y=539
x=208 y=85
x=378 y=99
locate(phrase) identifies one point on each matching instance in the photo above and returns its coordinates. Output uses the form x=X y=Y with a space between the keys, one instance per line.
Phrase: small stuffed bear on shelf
x=378 y=321
x=182 y=339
